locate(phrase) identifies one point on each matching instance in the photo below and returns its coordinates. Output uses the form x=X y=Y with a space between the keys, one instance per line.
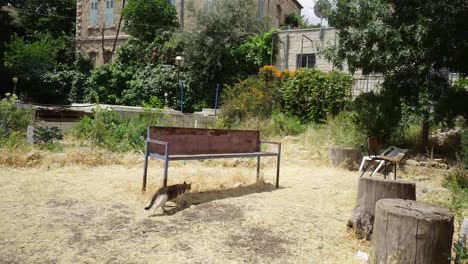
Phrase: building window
x=107 y=57
x=109 y=12
x=209 y=4
x=93 y=18
x=171 y=2
x=260 y=8
x=306 y=60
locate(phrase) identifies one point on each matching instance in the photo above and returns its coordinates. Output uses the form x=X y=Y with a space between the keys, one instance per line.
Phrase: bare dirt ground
x=77 y=214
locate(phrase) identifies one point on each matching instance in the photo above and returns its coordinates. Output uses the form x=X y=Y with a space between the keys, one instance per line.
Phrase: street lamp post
x=15 y=81
x=179 y=60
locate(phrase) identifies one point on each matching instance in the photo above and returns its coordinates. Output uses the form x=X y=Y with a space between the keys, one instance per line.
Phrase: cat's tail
x=159 y=199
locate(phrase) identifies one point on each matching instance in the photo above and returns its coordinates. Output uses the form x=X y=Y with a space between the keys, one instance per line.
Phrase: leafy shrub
x=247 y=99
x=312 y=94
x=107 y=82
x=151 y=81
x=46 y=135
x=464 y=141
x=12 y=117
x=257 y=49
x=109 y=130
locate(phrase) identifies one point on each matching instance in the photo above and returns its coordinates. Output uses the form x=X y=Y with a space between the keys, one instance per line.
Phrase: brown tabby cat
x=169 y=193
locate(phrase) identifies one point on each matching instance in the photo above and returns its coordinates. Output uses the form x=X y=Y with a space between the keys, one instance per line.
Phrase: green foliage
x=247 y=99
x=46 y=135
x=12 y=117
x=258 y=49
x=54 y=17
x=145 y=19
x=157 y=81
x=344 y=131
x=107 y=83
x=30 y=62
x=464 y=141
x=312 y=94
x=371 y=115
x=107 y=129
x=212 y=54
x=411 y=48
x=293 y=20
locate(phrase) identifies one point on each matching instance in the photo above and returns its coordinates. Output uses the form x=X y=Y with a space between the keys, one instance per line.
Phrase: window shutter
x=109 y=12
x=93 y=19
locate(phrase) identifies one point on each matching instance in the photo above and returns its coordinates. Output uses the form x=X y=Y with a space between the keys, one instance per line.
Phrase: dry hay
x=79 y=212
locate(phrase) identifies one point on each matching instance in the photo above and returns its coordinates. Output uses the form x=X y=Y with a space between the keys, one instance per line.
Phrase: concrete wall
x=292 y=42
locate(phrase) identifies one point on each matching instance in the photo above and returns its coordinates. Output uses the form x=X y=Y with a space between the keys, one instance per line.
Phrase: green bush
x=375 y=115
x=12 y=117
x=45 y=135
x=151 y=81
x=247 y=99
x=313 y=95
x=464 y=141
x=108 y=130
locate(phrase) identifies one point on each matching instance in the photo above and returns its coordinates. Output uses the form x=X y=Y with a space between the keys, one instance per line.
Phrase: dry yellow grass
x=91 y=210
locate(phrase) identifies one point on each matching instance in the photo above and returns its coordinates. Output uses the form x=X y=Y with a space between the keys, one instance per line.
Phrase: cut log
x=348 y=158
x=371 y=190
x=411 y=232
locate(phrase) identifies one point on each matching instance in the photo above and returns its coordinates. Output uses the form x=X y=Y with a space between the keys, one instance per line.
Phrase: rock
x=411 y=162
x=361 y=256
x=443 y=166
x=423 y=164
x=421 y=178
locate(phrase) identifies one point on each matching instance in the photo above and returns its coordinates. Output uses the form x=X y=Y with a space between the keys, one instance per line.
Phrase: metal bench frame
x=166 y=157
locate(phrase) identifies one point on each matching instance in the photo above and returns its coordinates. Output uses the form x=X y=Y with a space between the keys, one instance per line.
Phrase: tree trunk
x=411 y=232
x=425 y=132
x=369 y=192
x=345 y=157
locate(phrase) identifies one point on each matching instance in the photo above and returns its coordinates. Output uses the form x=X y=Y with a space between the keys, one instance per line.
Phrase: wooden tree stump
x=371 y=190
x=345 y=157
x=411 y=232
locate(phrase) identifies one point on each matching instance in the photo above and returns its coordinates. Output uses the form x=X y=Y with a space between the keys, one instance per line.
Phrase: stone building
x=300 y=48
x=97 y=21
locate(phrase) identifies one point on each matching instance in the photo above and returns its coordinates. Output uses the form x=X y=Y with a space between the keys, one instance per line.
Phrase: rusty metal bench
x=172 y=143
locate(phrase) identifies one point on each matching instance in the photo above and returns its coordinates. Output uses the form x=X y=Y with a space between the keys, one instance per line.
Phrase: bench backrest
x=192 y=141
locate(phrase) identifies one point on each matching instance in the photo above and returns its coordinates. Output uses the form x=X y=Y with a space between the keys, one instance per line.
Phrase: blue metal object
x=216 y=99
x=182 y=96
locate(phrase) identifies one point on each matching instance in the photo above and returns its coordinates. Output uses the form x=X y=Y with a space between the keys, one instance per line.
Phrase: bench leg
x=258 y=167
x=278 y=166
x=145 y=169
x=166 y=165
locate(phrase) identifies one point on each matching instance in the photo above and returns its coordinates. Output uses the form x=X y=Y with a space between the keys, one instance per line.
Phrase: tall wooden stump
x=371 y=190
x=411 y=232
x=345 y=157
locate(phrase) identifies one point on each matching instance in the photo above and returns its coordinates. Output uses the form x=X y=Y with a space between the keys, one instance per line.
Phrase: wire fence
x=366 y=83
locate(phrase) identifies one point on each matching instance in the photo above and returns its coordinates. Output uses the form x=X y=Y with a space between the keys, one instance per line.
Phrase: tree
x=411 y=43
x=212 y=54
x=145 y=19
x=30 y=61
x=55 y=17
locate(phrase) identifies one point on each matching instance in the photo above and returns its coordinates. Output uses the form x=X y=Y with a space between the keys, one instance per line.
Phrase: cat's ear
x=185 y=182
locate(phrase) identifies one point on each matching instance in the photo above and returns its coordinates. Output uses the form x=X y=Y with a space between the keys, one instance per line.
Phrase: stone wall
x=97 y=41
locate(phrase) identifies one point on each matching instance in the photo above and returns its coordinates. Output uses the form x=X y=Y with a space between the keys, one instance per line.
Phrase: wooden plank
x=194 y=141
x=217 y=156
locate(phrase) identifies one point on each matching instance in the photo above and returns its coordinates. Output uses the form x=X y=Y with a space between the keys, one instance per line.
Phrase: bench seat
x=172 y=143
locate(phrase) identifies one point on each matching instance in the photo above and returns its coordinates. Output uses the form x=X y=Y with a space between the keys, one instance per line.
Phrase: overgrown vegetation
x=107 y=129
